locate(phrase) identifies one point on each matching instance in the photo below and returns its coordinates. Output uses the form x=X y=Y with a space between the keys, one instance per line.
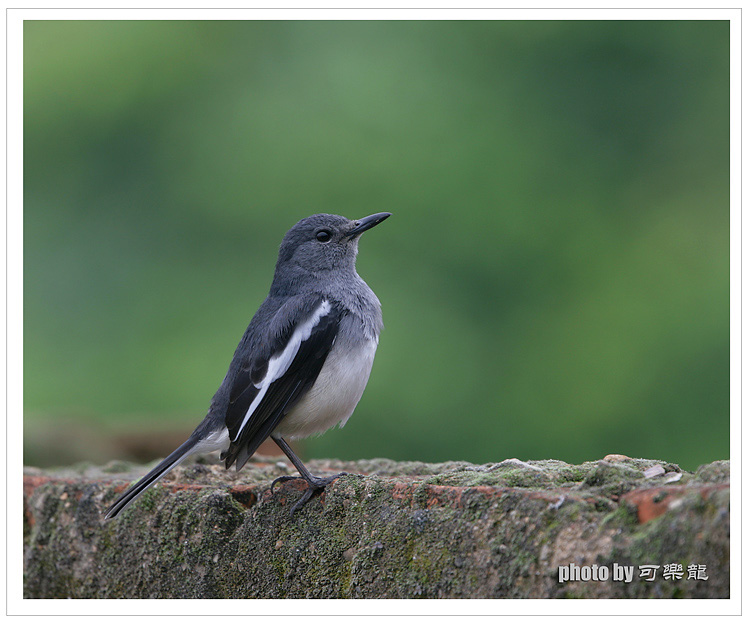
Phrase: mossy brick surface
x=387 y=530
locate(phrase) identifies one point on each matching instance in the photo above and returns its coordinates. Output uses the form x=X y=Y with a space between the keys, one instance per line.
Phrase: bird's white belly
x=336 y=391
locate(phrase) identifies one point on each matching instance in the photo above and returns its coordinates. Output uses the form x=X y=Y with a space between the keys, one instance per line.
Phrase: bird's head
x=323 y=242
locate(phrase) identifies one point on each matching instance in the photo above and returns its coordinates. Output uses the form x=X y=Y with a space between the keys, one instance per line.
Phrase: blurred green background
x=554 y=280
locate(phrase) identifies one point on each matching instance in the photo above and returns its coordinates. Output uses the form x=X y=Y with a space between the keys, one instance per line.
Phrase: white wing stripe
x=280 y=362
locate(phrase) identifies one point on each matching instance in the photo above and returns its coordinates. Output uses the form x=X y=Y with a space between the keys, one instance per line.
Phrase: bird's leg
x=315 y=485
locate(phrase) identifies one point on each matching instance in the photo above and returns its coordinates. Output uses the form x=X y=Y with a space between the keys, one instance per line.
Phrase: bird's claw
x=306 y=496
x=315 y=486
x=282 y=480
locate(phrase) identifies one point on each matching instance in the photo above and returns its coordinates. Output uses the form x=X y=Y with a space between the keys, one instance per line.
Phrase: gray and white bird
x=303 y=362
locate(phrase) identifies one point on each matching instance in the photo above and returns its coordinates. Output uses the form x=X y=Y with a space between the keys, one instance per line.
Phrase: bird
x=303 y=362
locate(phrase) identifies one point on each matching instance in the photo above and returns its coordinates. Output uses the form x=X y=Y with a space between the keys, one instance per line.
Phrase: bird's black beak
x=360 y=225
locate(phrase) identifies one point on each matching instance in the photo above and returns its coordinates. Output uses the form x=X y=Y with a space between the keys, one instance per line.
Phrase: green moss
x=570 y=474
x=623 y=517
x=402 y=536
x=716 y=472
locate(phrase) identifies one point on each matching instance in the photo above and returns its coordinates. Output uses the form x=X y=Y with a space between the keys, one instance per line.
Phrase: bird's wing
x=269 y=384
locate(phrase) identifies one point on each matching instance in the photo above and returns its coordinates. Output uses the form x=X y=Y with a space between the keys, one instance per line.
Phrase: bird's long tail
x=174 y=458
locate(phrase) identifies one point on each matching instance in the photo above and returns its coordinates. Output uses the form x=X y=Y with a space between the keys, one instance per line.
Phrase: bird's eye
x=323 y=236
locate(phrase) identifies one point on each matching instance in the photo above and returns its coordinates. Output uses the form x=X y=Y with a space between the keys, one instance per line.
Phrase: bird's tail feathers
x=192 y=445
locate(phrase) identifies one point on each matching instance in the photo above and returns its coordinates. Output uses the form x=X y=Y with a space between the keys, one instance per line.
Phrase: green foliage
x=554 y=279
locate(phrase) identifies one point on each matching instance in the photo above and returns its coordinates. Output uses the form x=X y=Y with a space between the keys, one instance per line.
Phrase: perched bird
x=304 y=360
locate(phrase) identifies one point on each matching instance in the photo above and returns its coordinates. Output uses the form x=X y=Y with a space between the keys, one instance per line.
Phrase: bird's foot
x=314 y=486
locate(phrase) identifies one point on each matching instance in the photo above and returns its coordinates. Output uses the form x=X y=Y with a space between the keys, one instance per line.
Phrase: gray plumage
x=304 y=361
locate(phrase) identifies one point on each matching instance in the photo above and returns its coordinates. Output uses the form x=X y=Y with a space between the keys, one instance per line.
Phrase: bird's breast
x=336 y=391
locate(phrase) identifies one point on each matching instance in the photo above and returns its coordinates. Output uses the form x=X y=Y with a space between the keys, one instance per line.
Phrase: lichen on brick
x=387 y=530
